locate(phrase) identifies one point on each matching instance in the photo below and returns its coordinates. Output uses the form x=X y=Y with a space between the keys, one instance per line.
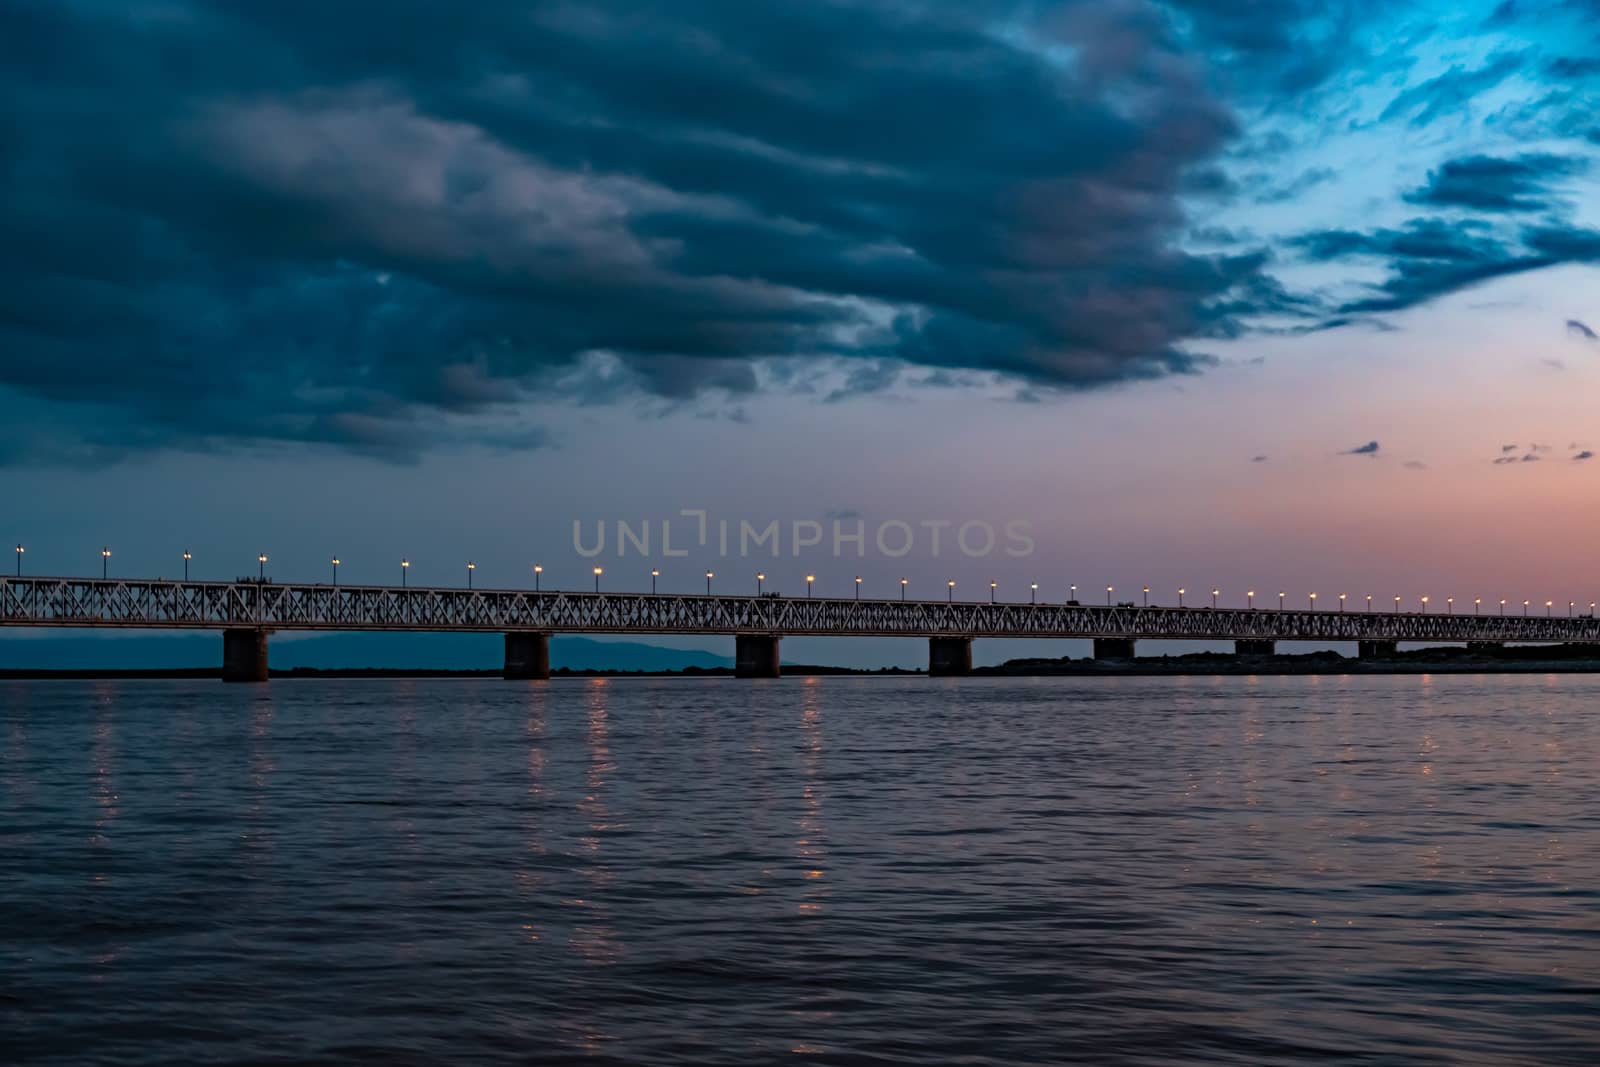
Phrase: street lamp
x=951 y=595
x=1074 y=594
x=537 y=570
x=1250 y=599
x=1108 y=596
x=1424 y=604
x=1147 y=596
x=1397 y=605
x=1449 y=605
x=1033 y=594
x=1341 y=603
x=902 y=589
x=405 y=566
x=1502 y=605
x=760 y=577
x=709 y=575
x=187 y=556
x=1181 y=591
x=1214 y=594
x=1524 y=609
x=992 y=587
x=336 y=571
x=598 y=571
x=655 y=573
x=261 y=566
x=1548 y=604
x=1313 y=598
x=809 y=579
x=858 y=587
x=20 y=550
x=1477 y=605
x=1570 y=606
x=1369 y=603
x=1280 y=600
x=471 y=566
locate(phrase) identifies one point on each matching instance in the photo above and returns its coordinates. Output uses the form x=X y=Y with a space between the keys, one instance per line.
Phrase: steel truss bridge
x=129 y=604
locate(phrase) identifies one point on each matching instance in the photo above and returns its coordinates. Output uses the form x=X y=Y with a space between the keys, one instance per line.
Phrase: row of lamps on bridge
x=950 y=586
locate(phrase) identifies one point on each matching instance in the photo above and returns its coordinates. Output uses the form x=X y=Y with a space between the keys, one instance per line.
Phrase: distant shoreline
x=1529 y=660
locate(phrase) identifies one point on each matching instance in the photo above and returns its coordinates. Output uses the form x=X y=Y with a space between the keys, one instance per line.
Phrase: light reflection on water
x=1120 y=870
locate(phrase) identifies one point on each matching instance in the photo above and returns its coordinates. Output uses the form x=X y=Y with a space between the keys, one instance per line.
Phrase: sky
x=1244 y=294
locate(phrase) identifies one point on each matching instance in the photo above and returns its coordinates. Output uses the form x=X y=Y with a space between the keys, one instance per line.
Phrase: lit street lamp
x=654 y=574
x=1449 y=605
x=1369 y=603
x=1074 y=594
x=1313 y=598
x=471 y=566
x=1033 y=594
x=858 y=587
x=336 y=572
x=1397 y=605
x=1108 y=596
x=105 y=562
x=1214 y=594
x=537 y=570
x=1570 y=606
x=1502 y=605
x=760 y=577
x=709 y=576
x=1181 y=591
x=261 y=567
x=1280 y=600
x=1524 y=609
x=1147 y=596
x=992 y=587
x=598 y=571
x=809 y=579
x=1424 y=605
x=1250 y=599
x=405 y=567
x=902 y=589
x=1477 y=605
x=951 y=595
x=20 y=550
x=1548 y=604
x=187 y=556
x=1341 y=603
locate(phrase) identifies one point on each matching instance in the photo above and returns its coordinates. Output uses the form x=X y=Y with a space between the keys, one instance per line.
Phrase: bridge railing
x=127 y=603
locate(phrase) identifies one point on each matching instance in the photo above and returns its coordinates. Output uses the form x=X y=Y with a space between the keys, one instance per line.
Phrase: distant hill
x=76 y=651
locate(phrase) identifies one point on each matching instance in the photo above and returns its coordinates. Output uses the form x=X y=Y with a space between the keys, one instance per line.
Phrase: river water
x=836 y=870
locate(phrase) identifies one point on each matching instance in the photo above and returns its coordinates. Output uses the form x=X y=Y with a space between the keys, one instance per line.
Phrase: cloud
x=1258 y=459
x=290 y=240
x=1579 y=329
x=1368 y=449
x=1509 y=448
x=1585 y=454
x=1414 y=465
x=1489 y=183
x=1446 y=94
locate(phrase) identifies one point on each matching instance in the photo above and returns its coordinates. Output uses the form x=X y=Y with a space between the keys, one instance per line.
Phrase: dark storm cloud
x=1368 y=449
x=1488 y=183
x=240 y=221
x=1430 y=258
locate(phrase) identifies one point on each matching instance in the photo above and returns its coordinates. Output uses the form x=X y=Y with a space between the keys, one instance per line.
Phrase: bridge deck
x=132 y=604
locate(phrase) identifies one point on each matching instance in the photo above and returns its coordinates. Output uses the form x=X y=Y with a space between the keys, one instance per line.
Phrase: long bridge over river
x=248 y=611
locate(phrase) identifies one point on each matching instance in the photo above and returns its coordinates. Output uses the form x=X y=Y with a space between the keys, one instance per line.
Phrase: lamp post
x=1341 y=603
x=261 y=567
x=1369 y=603
x=1108 y=596
x=471 y=566
x=1397 y=605
x=655 y=573
x=1250 y=599
x=1570 y=606
x=1280 y=600
x=1502 y=606
x=992 y=587
x=1147 y=596
x=760 y=577
x=1033 y=594
x=1074 y=594
x=336 y=572
x=1477 y=605
x=598 y=571
x=1525 y=609
x=537 y=571
x=405 y=568
x=1214 y=594
x=20 y=550
x=951 y=595
x=1548 y=605
x=1313 y=599
x=187 y=556
x=858 y=587
x=809 y=579
x=1424 y=603
x=902 y=590
x=1449 y=605
x=709 y=575
x=1181 y=591
x=105 y=563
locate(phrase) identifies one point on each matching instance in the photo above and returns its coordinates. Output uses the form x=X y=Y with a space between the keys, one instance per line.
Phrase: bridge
x=247 y=611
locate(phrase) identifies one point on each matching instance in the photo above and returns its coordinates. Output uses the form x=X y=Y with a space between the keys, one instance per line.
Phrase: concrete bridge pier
x=527 y=655
x=244 y=655
x=1255 y=648
x=1376 y=649
x=949 y=656
x=1114 y=648
x=755 y=655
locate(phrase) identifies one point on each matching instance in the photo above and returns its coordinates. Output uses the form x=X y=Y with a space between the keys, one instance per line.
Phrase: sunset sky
x=1263 y=294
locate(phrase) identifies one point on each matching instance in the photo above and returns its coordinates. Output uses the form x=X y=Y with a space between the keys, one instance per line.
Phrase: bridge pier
x=1114 y=648
x=1376 y=649
x=244 y=655
x=1255 y=648
x=949 y=656
x=755 y=655
x=527 y=655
